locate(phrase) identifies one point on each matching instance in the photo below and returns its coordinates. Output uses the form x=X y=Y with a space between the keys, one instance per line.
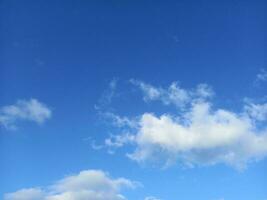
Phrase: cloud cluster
x=199 y=134
x=87 y=185
x=27 y=110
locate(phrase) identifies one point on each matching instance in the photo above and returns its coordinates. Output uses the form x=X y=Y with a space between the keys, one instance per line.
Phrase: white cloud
x=200 y=137
x=28 y=110
x=87 y=185
x=174 y=94
x=200 y=134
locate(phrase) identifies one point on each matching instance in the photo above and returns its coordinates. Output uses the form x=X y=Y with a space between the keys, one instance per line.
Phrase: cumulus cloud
x=87 y=185
x=199 y=135
x=27 y=110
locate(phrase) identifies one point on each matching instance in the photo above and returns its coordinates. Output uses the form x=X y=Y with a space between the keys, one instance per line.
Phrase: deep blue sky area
x=66 y=53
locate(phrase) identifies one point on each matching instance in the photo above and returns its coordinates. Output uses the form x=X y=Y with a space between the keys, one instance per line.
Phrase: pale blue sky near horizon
x=65 y=54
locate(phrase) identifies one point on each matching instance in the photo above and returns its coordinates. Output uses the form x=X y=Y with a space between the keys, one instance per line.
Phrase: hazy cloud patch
x=24 y=110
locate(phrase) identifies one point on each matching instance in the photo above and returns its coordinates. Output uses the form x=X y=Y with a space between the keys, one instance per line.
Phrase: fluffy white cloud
x=87 y=185
x=200 y=134
x=29 y=110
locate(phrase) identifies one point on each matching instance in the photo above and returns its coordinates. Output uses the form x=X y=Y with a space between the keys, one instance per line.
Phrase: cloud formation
x=27 y=110
x=87 y=185
x=198 y=135
x=201 y=136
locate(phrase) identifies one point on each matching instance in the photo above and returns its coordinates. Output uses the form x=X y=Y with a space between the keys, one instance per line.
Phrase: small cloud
x=256 y=111
x=26 y=194
x=93 y=144
x=24 y=110
x=119 y=140
x=115 y=141
x=261 y=77
x=88 y=184
x=119 y=121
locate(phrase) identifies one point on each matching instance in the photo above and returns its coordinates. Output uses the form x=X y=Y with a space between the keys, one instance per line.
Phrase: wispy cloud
x=87 y=185
x=257 y=112
x=262 y=75
x=173 y=94
x=107 y=95
x=120 y=121
x=200 y=134
x=119 y=140
x=24 y=110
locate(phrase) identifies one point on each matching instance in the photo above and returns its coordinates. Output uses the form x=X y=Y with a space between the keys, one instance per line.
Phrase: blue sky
x=151 y=100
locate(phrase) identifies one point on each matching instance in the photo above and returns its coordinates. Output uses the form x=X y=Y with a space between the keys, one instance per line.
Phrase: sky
x=133 y=100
